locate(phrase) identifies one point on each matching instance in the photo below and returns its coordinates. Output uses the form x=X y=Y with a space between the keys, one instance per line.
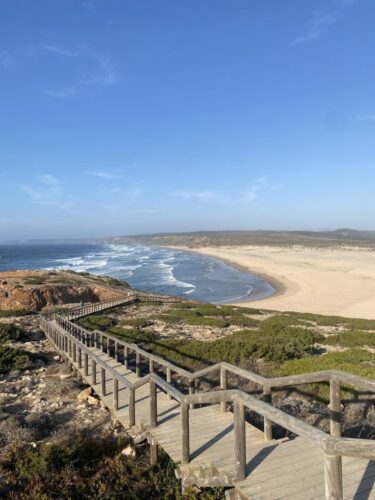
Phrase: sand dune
x=338 y=281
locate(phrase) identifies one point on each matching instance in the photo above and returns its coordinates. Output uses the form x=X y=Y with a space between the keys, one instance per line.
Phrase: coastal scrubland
x=195 y=335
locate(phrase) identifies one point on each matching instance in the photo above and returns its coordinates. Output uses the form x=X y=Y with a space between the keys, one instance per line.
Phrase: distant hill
x=339 y=237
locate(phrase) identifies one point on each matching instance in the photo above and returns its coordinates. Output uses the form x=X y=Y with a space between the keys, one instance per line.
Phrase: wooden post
x=191 y=391
x=153 y=451
x=131 y=408
x=151 y=365
x=102 y=376
x=153 y=405
x=267 y=424
x=137 y=364
x=126 y=358
x=115 y=393
x=86 y=364
x=108 y=350
x=335 y=407
x=333 y=463
x=79 y=357
x=116 y=351
x=185 y=438
x=333 y=477
x=169 y=380
x=70 y=347
x=74 y=353
x=223 y=386
x=239 y=441
x=93 y=372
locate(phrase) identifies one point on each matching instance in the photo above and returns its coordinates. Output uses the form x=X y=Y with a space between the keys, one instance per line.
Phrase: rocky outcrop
x=16 y=292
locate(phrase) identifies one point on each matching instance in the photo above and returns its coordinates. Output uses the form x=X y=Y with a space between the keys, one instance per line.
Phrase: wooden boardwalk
x=211 y=445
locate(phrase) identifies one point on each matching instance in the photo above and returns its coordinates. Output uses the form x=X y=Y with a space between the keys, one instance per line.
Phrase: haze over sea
x=153 y=269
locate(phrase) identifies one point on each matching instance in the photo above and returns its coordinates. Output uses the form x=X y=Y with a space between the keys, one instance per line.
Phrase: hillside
x=340 y=237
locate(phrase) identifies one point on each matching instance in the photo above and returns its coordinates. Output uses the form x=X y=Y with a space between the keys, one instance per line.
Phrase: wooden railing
x=77 y=342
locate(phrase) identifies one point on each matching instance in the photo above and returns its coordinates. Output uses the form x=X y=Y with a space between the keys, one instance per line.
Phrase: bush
x=11 y=332
x=138 y=322
x=86 y=468
x=15 y=359
x=351 y=339
x=240 y=347
x=15 y=312
x=279 y=322
x=356 y=361
x=34 y=280
x=97 y=322
x=134 y=336
x=202 y=321
x=243 y=321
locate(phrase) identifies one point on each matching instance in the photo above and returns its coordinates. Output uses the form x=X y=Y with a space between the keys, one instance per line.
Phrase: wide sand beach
x=335 y=281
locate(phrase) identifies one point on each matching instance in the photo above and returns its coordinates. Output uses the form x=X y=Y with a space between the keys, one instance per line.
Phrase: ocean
x=152 y=269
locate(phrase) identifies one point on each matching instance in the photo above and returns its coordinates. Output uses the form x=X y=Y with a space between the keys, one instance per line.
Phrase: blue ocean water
x=153 y=269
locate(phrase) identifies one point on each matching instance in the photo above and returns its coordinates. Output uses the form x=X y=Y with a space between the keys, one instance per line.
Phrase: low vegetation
x=9 y=331
x=15 y=359
x=352 y=339
x=15 y=312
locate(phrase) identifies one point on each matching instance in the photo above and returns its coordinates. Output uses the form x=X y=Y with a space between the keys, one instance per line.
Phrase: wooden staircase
x=206 y=433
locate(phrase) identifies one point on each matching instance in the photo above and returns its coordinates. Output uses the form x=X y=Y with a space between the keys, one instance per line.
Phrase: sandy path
x=327 y=281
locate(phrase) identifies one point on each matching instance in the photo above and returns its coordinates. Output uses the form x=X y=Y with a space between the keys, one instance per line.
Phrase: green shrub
x=243 y=321
x=15 y=359
x=138 y=322
x=351 y=339
x=97 y=322
x=11 y=332
x=80 y=467
x=202 y=321
x=240 y=347
x=15 y=312
x=276 y=323
x=134 y=336
x=356 y=361
x=34 y=280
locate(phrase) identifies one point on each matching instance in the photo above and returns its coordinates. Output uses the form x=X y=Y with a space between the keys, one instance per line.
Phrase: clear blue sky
x=120 y=117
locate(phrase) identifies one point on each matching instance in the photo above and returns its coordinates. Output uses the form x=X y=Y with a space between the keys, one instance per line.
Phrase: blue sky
x=121 y=117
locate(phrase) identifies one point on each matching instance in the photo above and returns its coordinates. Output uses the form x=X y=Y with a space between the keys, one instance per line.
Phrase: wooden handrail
x=332 y=445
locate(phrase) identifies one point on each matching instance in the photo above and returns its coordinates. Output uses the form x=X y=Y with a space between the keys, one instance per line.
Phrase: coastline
x=331 y=281
x=278 y=285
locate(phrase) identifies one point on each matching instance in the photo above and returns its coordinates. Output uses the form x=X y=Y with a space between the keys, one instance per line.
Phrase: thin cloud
x=103 y=174
x=244 y=198
x=197 y=195
x=321 y=22
x=91 y=69
x=47 y=192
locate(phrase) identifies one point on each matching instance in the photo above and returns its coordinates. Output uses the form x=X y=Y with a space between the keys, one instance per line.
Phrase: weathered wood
x=335 y=408
x=117 y=357
x=131 y=408
x=185 y=434
x=86 y=363
x=153 y=452
x=103 y=381
x=153 y=405
x=151 y=365
x=169 y=379
x=267 y=424
x=333 y=477
x=239 y=441
x=93 y=372
x=223 y=386
x=115 y=393
x=192 y=391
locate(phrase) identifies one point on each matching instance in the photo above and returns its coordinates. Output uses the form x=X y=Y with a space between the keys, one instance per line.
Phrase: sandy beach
x=337 y=281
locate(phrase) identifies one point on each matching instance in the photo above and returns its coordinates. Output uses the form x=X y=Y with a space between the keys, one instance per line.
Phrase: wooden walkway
x=211 y=445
